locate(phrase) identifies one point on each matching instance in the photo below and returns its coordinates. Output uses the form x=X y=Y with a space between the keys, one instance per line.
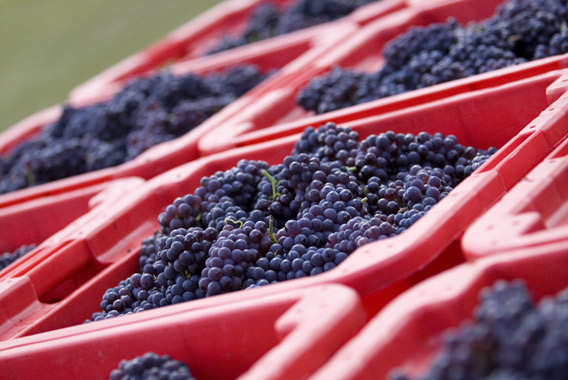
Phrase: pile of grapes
x=510 y=339
x=267 y=20
x=257 y=224
x=146 y=112
x=520 y=31
x=8 y=258
x=151 y=366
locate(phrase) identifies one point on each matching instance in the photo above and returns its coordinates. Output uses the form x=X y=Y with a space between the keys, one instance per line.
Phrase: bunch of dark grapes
x=510 y=338
x=520 y=31
x=257 y=224
x=172 y=261
x=8 y=258
x=150 y=247
x=170 y=276
x=147 y=111
x=267 y=20
x=224 y=196
x=151 y=366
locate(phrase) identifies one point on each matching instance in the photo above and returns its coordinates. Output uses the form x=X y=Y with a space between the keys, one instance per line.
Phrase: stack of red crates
x=380 y=309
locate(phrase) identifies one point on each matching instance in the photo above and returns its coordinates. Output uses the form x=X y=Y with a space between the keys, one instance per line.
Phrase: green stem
x=270 y=230
x=240 y=223
x=273 y=182
x=30 y=177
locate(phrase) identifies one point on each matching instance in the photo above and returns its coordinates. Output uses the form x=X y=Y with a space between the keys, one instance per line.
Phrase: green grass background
x=49 y=47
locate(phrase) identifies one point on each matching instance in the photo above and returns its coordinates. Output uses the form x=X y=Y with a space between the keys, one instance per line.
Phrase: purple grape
x=146 y=112
x=152 y=366
x=519 y=31
x=256 y=224
x=510 y=337
x=8 y=258
x=267 y=20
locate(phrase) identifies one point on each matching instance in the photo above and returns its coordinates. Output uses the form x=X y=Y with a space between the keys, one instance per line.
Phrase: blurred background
x=48 y=48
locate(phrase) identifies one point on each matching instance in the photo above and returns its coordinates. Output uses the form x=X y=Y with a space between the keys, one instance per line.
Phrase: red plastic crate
x=288 y=56
x=191 y=40
x=284 y=336
x=407 y=332
x=49 y=222
x=533 y=213
x=377 y=271
x=277 y=114
x=503 y=87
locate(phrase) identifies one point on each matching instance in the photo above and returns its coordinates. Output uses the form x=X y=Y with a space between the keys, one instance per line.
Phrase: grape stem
x=273 y=182
x=270 y=230
x=238 y=222
x=30 y=176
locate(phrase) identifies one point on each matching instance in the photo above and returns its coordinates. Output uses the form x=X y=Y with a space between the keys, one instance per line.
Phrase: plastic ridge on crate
x=377 y=271
x=32 y=290
x=85 y=204
x=284 y=336
x=533 y=213
x=277 y=114
x=406 y=333
x=50 y=222
x=290 y=56
x=39 y=220
x=191 y=40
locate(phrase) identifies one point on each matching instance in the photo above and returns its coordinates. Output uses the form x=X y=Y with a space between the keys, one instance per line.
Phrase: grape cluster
x=151 y=366
x=168 y=277
x=147 y=111
x=150 y=247
x=510 y=338
x=257 y=224
x=519 y=31
x=267 y=20
x=8 y=258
